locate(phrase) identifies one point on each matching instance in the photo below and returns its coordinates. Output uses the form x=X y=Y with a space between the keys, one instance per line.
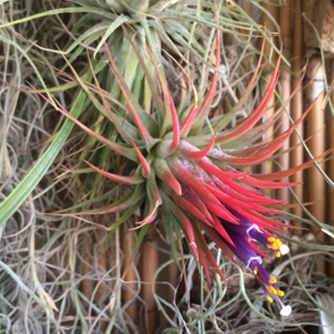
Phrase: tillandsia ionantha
x=185 y=168
x=176 y=23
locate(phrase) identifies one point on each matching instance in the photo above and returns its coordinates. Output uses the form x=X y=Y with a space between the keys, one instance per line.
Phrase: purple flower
x=243 y=236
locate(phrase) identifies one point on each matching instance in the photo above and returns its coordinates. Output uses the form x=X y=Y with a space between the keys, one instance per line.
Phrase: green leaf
x=91 y=201
x=141 y=237
x=162 y=5
x=127 y=214
x=117 y=23
x=28 y=184
x=94 y=10
x=94 y=31
x=168 y=222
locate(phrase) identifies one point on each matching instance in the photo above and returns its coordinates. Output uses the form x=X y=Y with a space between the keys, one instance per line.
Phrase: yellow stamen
x=269 y=246
x=272 y=290
x=256 y=271
x=280 y=293
x=272 y=280
x=278 y=242
x=278 y=254
x=271 y=239
x=270 y=299
x=275 y=247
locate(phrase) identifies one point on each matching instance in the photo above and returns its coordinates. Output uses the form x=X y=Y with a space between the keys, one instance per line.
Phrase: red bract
x=190 y=172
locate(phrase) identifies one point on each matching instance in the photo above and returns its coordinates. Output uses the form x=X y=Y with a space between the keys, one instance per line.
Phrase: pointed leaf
x=165 y=174
x=289 y=172
x=188 y=122
x=199 y=154
x=182 y=174
x=119 y=178
x=176 y=126
x=145 y=165
x=113 y=118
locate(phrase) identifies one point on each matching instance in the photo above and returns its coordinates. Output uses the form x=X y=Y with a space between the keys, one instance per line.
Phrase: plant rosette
x=186 y=171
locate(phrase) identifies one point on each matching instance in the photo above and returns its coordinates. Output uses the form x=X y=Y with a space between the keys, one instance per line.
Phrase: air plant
x=184 y=168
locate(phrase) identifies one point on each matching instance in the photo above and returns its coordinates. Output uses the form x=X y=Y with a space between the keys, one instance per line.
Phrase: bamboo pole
x=102 y=289
x=128 y=272
x=297 y=155
x=331 y=168
x=86 y=284
x=173 y=274
x=272 y=9
x=248 y=8
x=285 y=22
x=316 y=144
x=150 y=264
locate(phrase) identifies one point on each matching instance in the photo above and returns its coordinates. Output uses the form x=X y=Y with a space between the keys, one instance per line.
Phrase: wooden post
x=316 y=144
x=297 y=155
x=247 y=6
x=272 y=9
x=102 y=290
x=331 y=168
x=173 y=274
x=285 y=22
x=128 y=272
x=150 y=265
x=86 y=284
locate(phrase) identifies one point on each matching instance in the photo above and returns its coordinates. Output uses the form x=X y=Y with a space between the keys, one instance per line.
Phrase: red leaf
x=241 y=188
x=183 y=203
x=289 y=172
x=220 y=211
x=191 y=196
x=274 y=145
x=203 y=246
x=188 y=122
x=119 y=178
x=231 y=201
x=251 y=199
x=256 y=115
x=176 y=126
x=204 y=262
x=252 y=217
x=187 y=178
x=209 y=167
x=148 y=219
x=199 y=154
x=146 y=166
x=164 y=173
x=272 y=222
x=190 y=231
x=267 y=184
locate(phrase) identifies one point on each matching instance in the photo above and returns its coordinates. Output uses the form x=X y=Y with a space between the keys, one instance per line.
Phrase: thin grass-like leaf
x=28 y=184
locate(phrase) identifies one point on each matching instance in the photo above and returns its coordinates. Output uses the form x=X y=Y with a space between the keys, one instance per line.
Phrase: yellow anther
x=230 y=3
x=270 y=299
x=278 y=242
x=275 y=247
x=280 y=293
x=278 y=254
x=269 y=246
x=271 y=239
x=272 y=290
x=256 y=271
x=272 y=280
